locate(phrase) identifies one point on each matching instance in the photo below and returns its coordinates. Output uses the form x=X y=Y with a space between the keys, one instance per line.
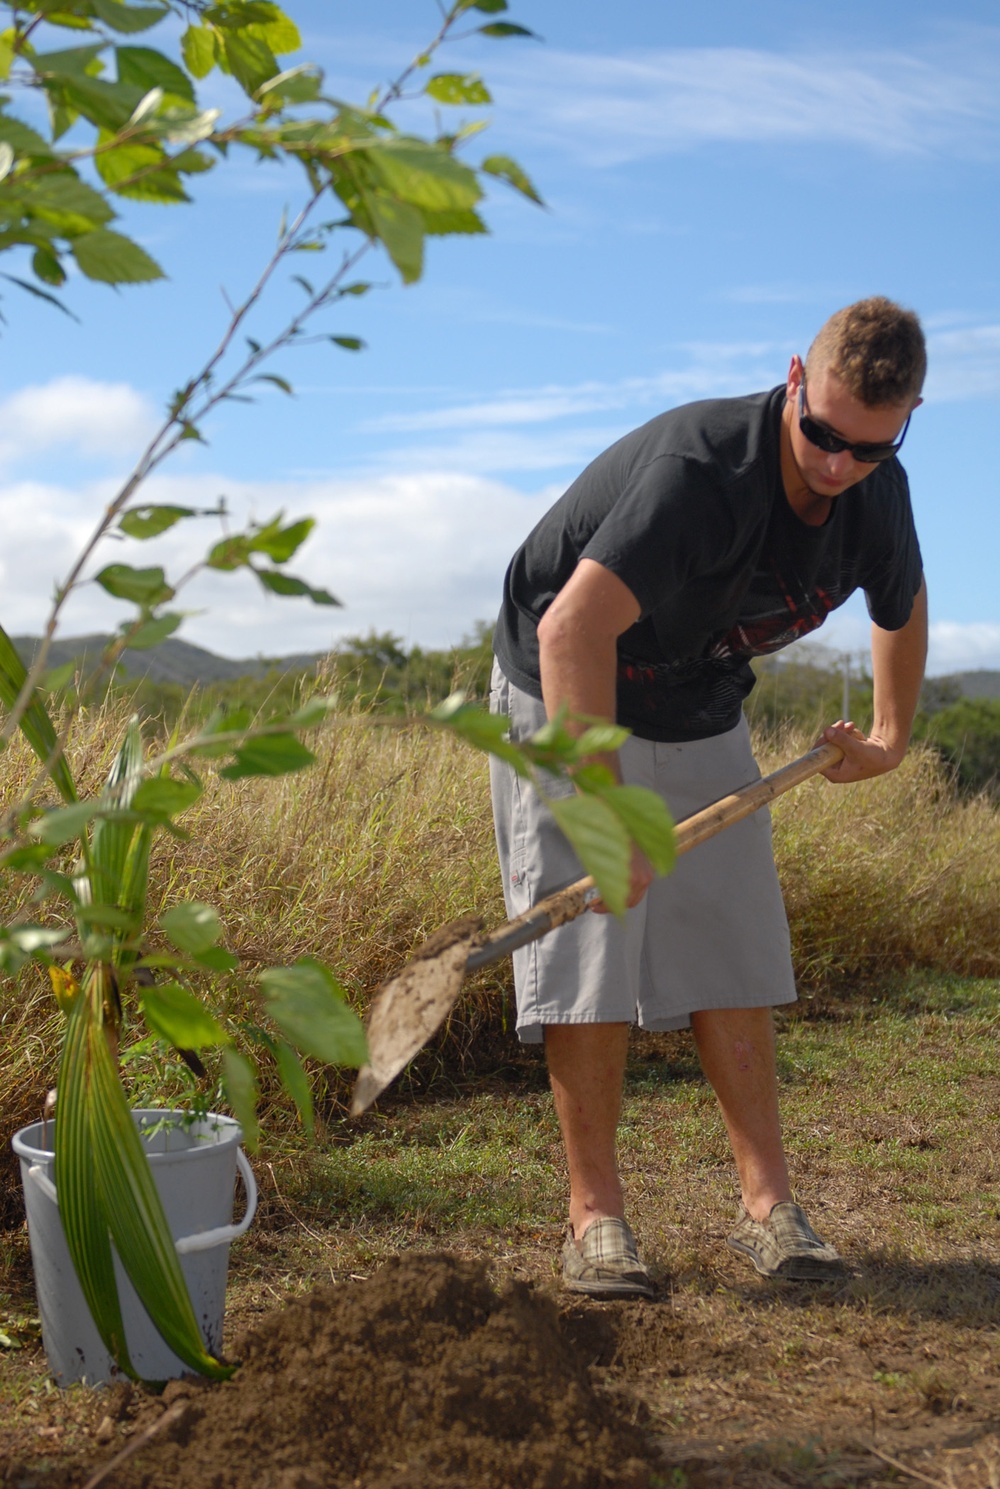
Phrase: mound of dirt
x=422 y=1375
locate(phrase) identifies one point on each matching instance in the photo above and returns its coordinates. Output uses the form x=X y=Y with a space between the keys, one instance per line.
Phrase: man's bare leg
x=586 y=1067
x=736 y=1049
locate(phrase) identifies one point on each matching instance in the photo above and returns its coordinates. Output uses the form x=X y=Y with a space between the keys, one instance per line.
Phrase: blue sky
x=717 y=183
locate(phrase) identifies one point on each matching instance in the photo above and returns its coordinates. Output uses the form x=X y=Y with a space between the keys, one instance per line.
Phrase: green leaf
x=302 y=84
x=282 y=543
x=128 y=18
x=506 y=28
x=145 y=69
x=48 y=267
x=601 y=843
x=240 y=1080
x=105 y=1183
x=349 y=343
x=250 y=59
x=296 y=1083
x=138 y=171
x=33 y=289
x=115 y=832
x=59 y=677
x=648 y=822
x=600 y=739
x=150 y=522
x=111 y=258
x=400 y=228
x=284 y=584
x=64 y=823
x=199 y=47
x=145 y=587
x=453 y=220
x=482 y=730
x=165 y=796
x=316 y=711
x=423 y=174
x=217 y=960
x=192 y=927
x=81 y=1211
x=106 y=918
x=308 y=1006
x=279 y=382
x=68 y=204
x=268 y=755
x=508 y=170
x=180 y=1018
x=151 y=632
x=25 y=140
x=454 y=87
x=36 y=725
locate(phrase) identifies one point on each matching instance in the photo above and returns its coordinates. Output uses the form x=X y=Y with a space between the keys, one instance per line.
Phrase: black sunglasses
x=831 y=444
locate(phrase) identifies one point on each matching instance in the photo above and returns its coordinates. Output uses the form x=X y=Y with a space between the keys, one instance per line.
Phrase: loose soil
x=467 y=1366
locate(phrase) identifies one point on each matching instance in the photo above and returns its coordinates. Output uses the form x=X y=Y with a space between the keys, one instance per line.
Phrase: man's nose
x=840 y=467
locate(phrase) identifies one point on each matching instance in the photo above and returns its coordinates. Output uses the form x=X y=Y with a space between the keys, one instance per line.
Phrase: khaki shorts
x=713 y=934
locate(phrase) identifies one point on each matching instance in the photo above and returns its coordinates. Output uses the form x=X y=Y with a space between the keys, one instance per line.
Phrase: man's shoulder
x=726 y=436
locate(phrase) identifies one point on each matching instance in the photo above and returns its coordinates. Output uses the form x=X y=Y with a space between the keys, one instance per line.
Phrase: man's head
x=853 y=396
x=876 y=349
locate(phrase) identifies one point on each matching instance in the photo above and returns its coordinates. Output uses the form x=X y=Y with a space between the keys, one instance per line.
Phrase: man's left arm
x=898 y=659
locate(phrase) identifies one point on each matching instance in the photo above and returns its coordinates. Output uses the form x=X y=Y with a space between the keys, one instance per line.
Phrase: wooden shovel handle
x=566 y=904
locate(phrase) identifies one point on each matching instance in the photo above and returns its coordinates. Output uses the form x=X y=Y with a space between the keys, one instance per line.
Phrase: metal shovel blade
x=413 y=1005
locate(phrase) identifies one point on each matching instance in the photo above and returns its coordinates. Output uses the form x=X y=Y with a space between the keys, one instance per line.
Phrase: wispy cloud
x=713 y=369
x=630 y=107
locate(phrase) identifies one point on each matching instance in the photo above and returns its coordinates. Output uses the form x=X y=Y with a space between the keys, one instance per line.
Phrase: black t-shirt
x=690 y=512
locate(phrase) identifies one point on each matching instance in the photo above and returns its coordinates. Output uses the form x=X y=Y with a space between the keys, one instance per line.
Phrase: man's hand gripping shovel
x=412 y=1006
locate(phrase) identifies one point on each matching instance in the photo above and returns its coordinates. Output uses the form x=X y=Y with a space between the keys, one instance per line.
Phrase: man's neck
x=808 y=506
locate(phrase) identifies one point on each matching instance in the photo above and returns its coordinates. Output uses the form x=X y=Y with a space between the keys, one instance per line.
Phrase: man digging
x=718 y=531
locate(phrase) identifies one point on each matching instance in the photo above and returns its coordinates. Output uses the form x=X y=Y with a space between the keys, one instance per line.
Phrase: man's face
x=831 y=405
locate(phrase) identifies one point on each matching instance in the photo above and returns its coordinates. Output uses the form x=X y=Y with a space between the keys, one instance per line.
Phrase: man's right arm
x=577 y=644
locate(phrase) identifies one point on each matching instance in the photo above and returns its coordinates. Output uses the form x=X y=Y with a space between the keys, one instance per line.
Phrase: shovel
x=412 y=1006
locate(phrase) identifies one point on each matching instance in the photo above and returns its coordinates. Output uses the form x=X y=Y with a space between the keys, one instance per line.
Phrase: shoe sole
x=609 y=1289
x=793 y=1268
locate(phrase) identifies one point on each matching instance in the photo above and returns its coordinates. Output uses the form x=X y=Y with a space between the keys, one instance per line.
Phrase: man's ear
x=916 y=404
x=796 y=372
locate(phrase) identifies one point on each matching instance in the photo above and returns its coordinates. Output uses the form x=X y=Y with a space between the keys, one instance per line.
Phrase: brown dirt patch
x=424 y=1374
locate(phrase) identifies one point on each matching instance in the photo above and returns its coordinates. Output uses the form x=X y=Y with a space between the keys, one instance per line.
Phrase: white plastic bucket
x=194 y=1164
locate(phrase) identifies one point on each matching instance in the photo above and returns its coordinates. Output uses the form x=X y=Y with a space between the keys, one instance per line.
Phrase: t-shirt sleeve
x=894 y=577
x=670 y=522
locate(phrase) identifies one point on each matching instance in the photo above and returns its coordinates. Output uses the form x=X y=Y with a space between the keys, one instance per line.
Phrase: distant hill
x=978 y=684
x=171 y=661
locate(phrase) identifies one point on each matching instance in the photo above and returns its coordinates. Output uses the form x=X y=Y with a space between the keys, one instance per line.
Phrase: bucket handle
x=206 y=1239
x=203 y=1240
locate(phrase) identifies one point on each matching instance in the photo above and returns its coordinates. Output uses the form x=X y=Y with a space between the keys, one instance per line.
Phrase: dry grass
x=390 y=835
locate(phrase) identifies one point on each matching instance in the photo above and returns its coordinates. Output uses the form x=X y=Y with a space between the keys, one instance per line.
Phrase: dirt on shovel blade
x=423 y=1375
x=409 y=1009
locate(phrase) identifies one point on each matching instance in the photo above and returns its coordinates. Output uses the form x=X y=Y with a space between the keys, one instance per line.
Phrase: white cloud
x=967 y=647
x=614 y=109
x=964 y=363
x=420 y=554
x=94 y=418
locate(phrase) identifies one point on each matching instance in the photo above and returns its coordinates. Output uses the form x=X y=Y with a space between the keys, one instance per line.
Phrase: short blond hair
x=877 y=350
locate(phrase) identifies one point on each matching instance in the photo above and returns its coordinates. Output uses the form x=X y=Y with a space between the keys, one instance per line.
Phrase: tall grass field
x=357 y=859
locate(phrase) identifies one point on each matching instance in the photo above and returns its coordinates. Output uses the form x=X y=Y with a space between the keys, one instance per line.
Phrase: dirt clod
x=423 y=1374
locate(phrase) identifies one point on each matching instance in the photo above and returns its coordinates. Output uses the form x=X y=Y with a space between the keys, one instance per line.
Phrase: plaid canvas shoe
x=605 y=1263
x=785 y=1245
